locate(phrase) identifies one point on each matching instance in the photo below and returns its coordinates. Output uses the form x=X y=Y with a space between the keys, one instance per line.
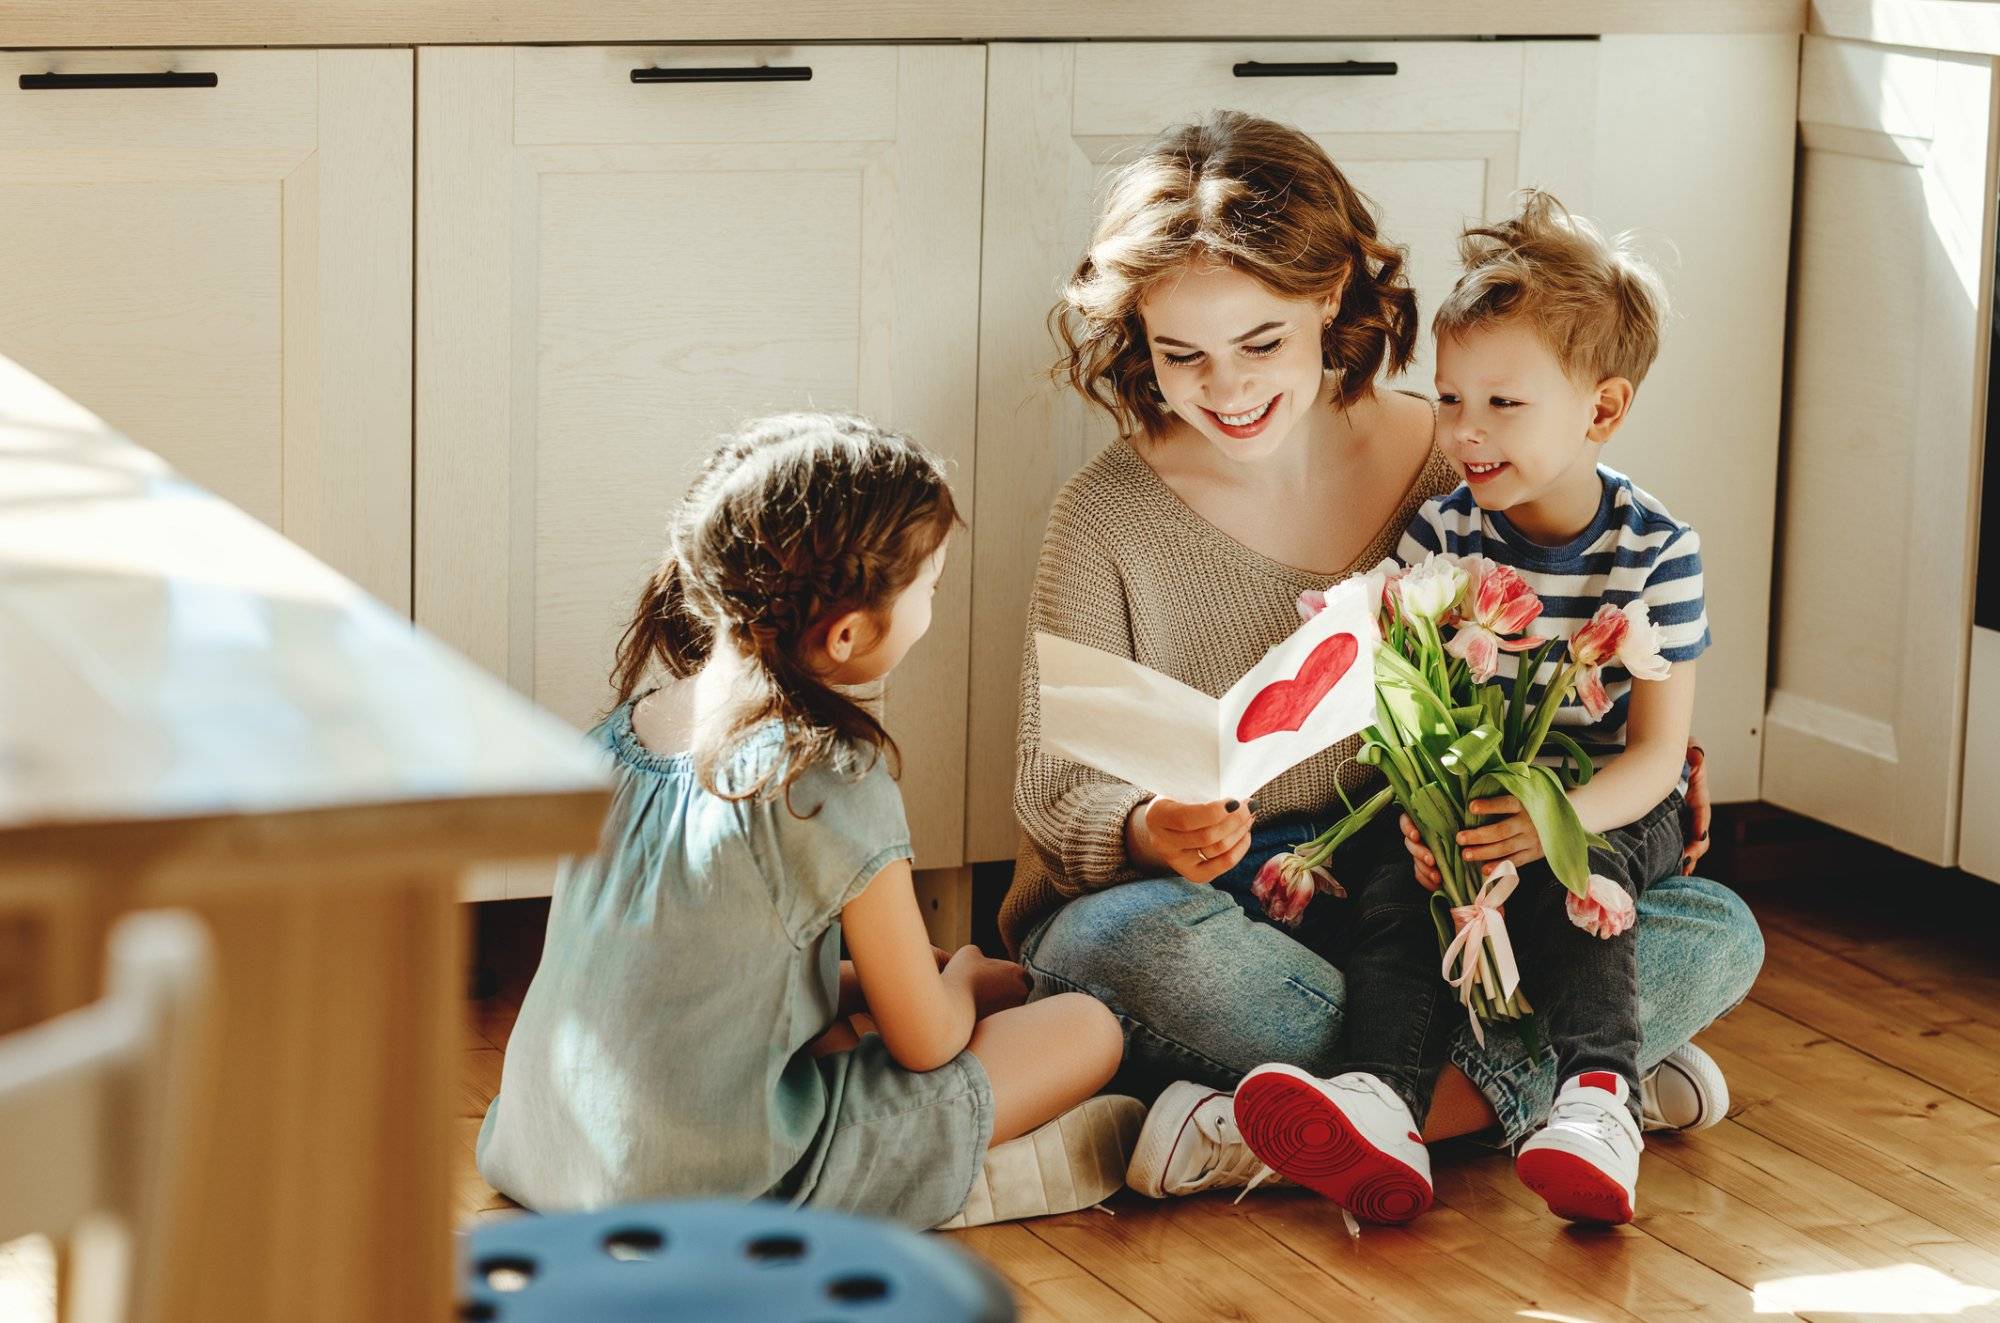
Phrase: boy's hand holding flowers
x=1511 y=837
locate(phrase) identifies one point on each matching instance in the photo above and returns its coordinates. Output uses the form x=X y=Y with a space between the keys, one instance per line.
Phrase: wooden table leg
x=320 y=1188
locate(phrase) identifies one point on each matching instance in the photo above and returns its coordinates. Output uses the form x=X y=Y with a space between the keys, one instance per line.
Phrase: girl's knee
x=1089 y=1025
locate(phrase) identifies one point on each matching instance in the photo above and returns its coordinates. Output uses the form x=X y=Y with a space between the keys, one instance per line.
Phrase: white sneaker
x=1350 y=1138
x=1072 y=1162
x=1684 y=1092
x=1585 y=1161
x=1189 y=1144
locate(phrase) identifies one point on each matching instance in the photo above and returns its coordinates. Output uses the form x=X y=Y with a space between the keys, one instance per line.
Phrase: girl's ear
x=846 y=635
x=1608 y=410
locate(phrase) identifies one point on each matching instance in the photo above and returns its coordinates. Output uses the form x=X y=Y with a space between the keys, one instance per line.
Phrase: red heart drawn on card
x=1285 y=704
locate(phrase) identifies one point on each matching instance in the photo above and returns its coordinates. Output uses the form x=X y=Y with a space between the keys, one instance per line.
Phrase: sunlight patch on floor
x=1905 y=1288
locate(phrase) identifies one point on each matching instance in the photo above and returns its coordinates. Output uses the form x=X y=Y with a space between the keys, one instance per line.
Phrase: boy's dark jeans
x=1583 y=989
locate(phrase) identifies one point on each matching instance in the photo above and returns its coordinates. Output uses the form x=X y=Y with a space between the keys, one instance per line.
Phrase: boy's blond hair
x=1599 y=308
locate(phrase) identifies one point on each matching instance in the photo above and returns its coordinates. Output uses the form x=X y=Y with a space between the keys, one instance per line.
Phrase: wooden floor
x=1858 y=1174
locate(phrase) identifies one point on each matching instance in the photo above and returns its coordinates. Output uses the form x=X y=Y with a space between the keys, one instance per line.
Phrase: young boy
x=1541 y=347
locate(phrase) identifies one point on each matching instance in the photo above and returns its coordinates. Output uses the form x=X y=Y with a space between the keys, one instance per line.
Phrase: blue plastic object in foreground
x=721 y=1262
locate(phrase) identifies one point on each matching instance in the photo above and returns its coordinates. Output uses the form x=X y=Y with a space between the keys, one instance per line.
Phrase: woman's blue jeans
x=1208 y=988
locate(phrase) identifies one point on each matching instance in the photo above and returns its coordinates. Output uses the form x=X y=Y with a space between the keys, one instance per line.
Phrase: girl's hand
x=997 y=985
x=1428 y=876
x=1698 y=811
x=1513 y=837
x=1200 y=842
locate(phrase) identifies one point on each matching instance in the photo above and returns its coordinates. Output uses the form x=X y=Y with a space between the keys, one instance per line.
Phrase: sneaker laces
x=1265 y=1172
x=1233 y=1162
x=1592 y=1117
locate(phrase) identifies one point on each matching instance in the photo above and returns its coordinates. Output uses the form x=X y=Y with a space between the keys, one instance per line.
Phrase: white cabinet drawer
x=223 y=273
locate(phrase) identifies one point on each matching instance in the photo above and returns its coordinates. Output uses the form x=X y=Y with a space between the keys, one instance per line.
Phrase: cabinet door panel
x=1868 y=704
x=612 y=274
x=224 y=274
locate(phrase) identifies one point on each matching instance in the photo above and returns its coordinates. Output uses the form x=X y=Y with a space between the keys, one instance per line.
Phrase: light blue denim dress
x=660 y=1051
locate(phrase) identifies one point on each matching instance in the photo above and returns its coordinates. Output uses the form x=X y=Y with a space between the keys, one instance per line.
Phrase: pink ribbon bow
x=1479 y=923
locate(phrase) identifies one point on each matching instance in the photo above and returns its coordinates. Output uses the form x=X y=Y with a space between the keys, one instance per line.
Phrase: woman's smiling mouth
x=1243 y=426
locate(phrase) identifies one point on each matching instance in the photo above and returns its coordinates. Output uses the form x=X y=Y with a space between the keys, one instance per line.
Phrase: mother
x=1233 y=313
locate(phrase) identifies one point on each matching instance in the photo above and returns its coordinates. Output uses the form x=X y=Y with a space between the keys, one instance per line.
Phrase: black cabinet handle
x=1315 y=69
x=56 y=82
x=765 y=73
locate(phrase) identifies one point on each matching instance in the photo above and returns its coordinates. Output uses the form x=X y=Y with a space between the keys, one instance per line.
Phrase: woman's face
x=1239 y=362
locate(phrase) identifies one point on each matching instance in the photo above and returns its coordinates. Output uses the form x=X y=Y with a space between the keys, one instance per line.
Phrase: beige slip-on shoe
x=1072 y=1162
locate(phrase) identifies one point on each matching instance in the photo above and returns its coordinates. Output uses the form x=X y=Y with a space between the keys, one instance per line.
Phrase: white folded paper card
x=1309 y=693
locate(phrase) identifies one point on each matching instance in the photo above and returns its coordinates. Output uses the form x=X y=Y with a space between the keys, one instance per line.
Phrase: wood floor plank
x=470 y=1193
x=1899 y=1026
x=493 y=1020
x=1151 y=1255
x=1881 y=1128
x=1841 y=1215
x=1623 y=1266
x=1441 y=1265
x=1949 y=964
x=1731 y=1237
x=478 y=1080
x=1049 y=1286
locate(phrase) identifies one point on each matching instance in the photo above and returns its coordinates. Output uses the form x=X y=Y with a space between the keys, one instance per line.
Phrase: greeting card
x=1310 y=692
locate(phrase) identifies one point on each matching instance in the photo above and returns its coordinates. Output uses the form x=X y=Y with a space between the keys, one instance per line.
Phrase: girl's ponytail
x=663 y=631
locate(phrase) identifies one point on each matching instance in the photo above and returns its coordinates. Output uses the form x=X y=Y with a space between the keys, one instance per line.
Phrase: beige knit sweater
x=1128 y=567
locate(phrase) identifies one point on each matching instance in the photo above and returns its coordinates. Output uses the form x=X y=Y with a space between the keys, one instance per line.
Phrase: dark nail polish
x=1253 y=808
x=1230 y=807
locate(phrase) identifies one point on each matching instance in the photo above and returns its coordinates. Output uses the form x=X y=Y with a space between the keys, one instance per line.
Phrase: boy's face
x=1520 y=430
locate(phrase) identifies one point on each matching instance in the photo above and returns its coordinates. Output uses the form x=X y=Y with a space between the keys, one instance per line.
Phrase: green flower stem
x=1545 y=715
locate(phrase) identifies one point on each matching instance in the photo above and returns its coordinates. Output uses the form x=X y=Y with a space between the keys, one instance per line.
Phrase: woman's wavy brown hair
x=794 y=521
x=1256 y=195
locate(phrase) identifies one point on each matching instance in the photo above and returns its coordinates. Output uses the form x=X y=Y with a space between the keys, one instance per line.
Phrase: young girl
x=686 y=1032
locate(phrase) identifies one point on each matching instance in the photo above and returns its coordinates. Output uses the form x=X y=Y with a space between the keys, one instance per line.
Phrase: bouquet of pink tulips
x=1444 y=737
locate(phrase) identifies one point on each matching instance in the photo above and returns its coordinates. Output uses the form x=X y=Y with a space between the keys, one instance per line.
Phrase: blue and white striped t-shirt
x=1632 y=548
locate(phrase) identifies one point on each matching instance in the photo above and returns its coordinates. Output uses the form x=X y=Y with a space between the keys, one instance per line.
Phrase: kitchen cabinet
x=1891 y=300
x=612 y=271
x=219 y=263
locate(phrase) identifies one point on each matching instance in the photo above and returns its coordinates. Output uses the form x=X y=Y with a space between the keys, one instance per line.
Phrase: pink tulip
x=1597 y=642
x=1480 y=647
x=1286 y=884
x=1505 y=604
x=1311 y=602
x=1502 y=603
x=1606 y=911
x=1639 y=653
x=1591 y=693
x=1626 y=635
